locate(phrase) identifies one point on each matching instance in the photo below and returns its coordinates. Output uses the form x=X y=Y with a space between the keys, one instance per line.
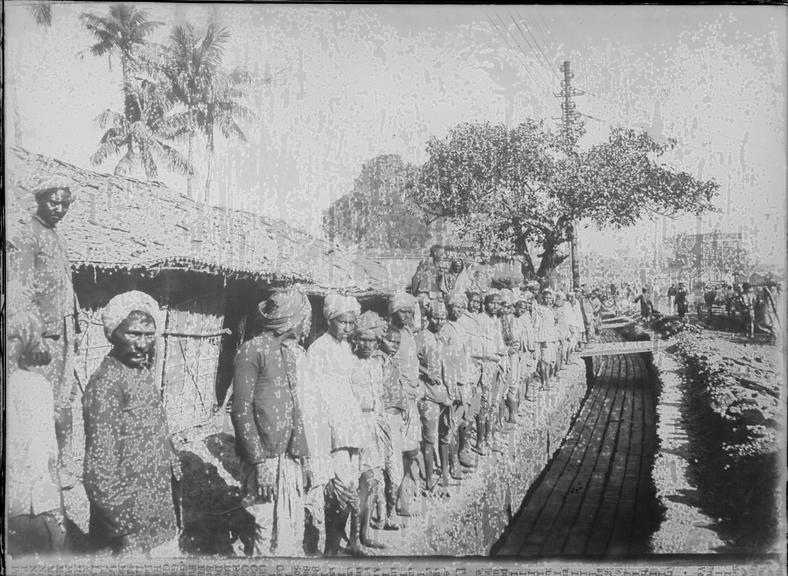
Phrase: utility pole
x=569 y=117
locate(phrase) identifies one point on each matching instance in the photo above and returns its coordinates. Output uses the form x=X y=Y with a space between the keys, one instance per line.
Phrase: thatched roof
x=122 y=223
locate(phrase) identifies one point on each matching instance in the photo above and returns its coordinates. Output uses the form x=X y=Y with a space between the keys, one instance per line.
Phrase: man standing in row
x=269 y=425
x=38 y=258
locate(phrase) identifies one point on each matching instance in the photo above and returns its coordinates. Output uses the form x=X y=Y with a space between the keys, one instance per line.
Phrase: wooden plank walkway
x=591 y=500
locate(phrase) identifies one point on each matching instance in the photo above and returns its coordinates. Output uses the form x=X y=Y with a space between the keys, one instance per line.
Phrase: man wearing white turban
x=330 y=364
x=129 y=457
x=270 y=438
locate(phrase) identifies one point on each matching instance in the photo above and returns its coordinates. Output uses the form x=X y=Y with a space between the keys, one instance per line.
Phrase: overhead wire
x=516 y=52
x=519 y=52
x=529 y=28
x=533 y=52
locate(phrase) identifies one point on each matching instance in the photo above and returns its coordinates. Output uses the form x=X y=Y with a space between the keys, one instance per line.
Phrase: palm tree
x=122 y=32
x=210 y=96
x=42 y=12
x=146 y=123
x=223 y=110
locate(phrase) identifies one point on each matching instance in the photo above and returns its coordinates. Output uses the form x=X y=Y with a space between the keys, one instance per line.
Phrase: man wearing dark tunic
x=429 y=276
x=269 y=427
x=38 y=257
x=129 y=458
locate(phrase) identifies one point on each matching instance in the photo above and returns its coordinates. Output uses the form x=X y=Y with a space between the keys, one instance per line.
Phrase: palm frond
x=173 y=158
x=104 y=151
x=42 y=13
x=110 y=118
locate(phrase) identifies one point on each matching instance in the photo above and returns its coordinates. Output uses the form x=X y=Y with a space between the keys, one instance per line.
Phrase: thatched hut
x=207 y=267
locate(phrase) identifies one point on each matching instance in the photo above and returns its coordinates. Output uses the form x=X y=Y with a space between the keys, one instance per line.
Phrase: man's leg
x=429 y=412
x=314 y=520
x=262 y=512
x=446 y=444
x=368 y=488
x=393 y=471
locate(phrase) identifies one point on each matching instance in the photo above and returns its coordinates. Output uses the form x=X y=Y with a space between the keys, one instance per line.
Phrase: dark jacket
x=265 y=412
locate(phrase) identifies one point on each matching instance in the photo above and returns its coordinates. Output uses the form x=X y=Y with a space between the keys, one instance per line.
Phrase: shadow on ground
x=214 y=522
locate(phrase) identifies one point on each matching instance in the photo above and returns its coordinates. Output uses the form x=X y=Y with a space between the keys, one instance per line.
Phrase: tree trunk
x=209 y=171
x=550 y=261
x=191 y=174
x=527 y=267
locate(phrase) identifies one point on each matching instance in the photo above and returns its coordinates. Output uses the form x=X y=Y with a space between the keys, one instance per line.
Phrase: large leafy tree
x=377 y=213
x=211 y=98
x=521 y=192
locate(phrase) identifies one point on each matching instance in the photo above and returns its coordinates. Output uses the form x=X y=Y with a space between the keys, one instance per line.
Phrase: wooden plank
x=638 y=544
x=616 y=488
x=575 y=480
x=625 y=515
x=603 y=466
x=534 y=506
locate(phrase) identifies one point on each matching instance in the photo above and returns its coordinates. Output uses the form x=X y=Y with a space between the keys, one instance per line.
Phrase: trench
x=596 y=496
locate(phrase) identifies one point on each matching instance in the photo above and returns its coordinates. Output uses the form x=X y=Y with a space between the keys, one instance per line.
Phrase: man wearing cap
x=38 y=257
x=331 y=363
x=493 y=354
x=401 y=309
x=546 y=335
x=269 y=426
x=523 y=311
x=468 y=324
x=369 y=387
x=579 y=335
x=513 y=338
x=465 y=372
x=435 y=406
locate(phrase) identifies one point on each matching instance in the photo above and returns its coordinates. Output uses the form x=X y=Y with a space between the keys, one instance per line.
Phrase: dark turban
x=284 y=310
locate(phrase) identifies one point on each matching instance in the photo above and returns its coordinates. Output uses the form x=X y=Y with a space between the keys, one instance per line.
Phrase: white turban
x=119 y=308
x=456 y=298
x=336 y=305
x=507 y=296
x=401 y=300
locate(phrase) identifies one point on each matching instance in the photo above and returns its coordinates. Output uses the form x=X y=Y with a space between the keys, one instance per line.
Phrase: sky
x=348 y=83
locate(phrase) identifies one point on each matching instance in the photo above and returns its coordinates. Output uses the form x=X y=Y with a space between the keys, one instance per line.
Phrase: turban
x=119 y=308
x=284 y=310
x=370 y=322
x=401 y=300
x=436 y=306
x=456 y=298
x=507 y=296
x=49 y=188
x=491 y=294
x=336 y=305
